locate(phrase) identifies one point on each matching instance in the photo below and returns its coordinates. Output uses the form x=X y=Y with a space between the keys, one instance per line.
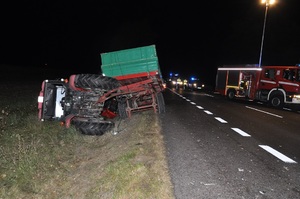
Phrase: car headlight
x=296 y=96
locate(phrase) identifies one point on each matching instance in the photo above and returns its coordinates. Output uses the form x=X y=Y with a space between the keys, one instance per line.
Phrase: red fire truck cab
x=277 y=85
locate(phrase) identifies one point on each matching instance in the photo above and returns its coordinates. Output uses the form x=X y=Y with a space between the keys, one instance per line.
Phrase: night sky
x=190 y=38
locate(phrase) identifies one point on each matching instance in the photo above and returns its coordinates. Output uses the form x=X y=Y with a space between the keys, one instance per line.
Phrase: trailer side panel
x=131 y=63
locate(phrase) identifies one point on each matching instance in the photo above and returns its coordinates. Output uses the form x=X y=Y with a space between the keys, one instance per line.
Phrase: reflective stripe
x=267 y=81
x=242 y=69
x=288 y=83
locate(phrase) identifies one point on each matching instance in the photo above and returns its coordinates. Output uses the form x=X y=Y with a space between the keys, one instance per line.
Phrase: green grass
x=32 y=151
x=28 y=148
x=45 y=160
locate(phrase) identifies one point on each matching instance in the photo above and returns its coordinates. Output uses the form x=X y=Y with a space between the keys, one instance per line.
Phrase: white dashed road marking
x=208 y=112
x=220 y=120
x=242 y=133
x=277 y=154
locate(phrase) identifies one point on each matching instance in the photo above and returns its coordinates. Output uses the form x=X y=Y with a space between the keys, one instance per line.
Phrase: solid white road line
x=264 y=112
x=208 y=112
x=220 y=120
x=242 y=133
x=277 y=154
x=209 y=95
x=288 y=109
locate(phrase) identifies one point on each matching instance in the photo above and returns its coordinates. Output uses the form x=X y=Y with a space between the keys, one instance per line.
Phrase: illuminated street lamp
x=267 y=3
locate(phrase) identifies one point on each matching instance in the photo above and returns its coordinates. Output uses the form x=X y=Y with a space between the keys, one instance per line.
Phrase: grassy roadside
x=44 y=160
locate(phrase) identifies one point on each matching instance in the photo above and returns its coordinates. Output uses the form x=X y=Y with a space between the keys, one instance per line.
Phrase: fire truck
x=275 y=85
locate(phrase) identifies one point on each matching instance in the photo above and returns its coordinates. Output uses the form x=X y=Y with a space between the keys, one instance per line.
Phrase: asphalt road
x=230 y=149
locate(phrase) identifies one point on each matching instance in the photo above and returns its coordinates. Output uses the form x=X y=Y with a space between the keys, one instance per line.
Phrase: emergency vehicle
x=276 y=85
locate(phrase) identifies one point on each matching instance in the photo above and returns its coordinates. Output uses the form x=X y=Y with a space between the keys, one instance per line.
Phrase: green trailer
x=136 y=65
x=131 y=63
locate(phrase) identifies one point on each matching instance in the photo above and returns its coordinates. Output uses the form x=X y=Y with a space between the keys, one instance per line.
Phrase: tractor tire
x=92 y=126
x=96 y=81
x=277 y=101
x=160 y=103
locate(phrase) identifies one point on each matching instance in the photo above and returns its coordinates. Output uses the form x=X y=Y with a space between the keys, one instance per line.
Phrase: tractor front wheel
x=92 y=126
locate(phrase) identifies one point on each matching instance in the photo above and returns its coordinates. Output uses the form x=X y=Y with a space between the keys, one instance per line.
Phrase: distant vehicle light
x=179 y=81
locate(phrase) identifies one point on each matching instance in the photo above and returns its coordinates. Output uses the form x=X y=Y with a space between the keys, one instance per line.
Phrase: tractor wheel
x=95 y=81
x=160 y=102
x=277 y=101
x=92 y=126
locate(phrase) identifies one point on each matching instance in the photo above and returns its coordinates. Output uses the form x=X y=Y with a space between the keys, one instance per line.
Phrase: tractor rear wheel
x=96 y=81
x=92 y=126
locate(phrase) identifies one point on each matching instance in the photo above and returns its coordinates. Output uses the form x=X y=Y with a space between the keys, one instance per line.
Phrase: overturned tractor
x=130 y=81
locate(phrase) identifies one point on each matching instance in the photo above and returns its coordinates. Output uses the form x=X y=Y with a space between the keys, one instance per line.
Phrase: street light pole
x=267 y=3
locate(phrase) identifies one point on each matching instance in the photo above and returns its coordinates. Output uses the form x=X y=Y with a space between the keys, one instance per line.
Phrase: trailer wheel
x=277 y=101
x=160 y=102
x=92 y=126
x=122 y=105
x=231 y=94
x=93 y=81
